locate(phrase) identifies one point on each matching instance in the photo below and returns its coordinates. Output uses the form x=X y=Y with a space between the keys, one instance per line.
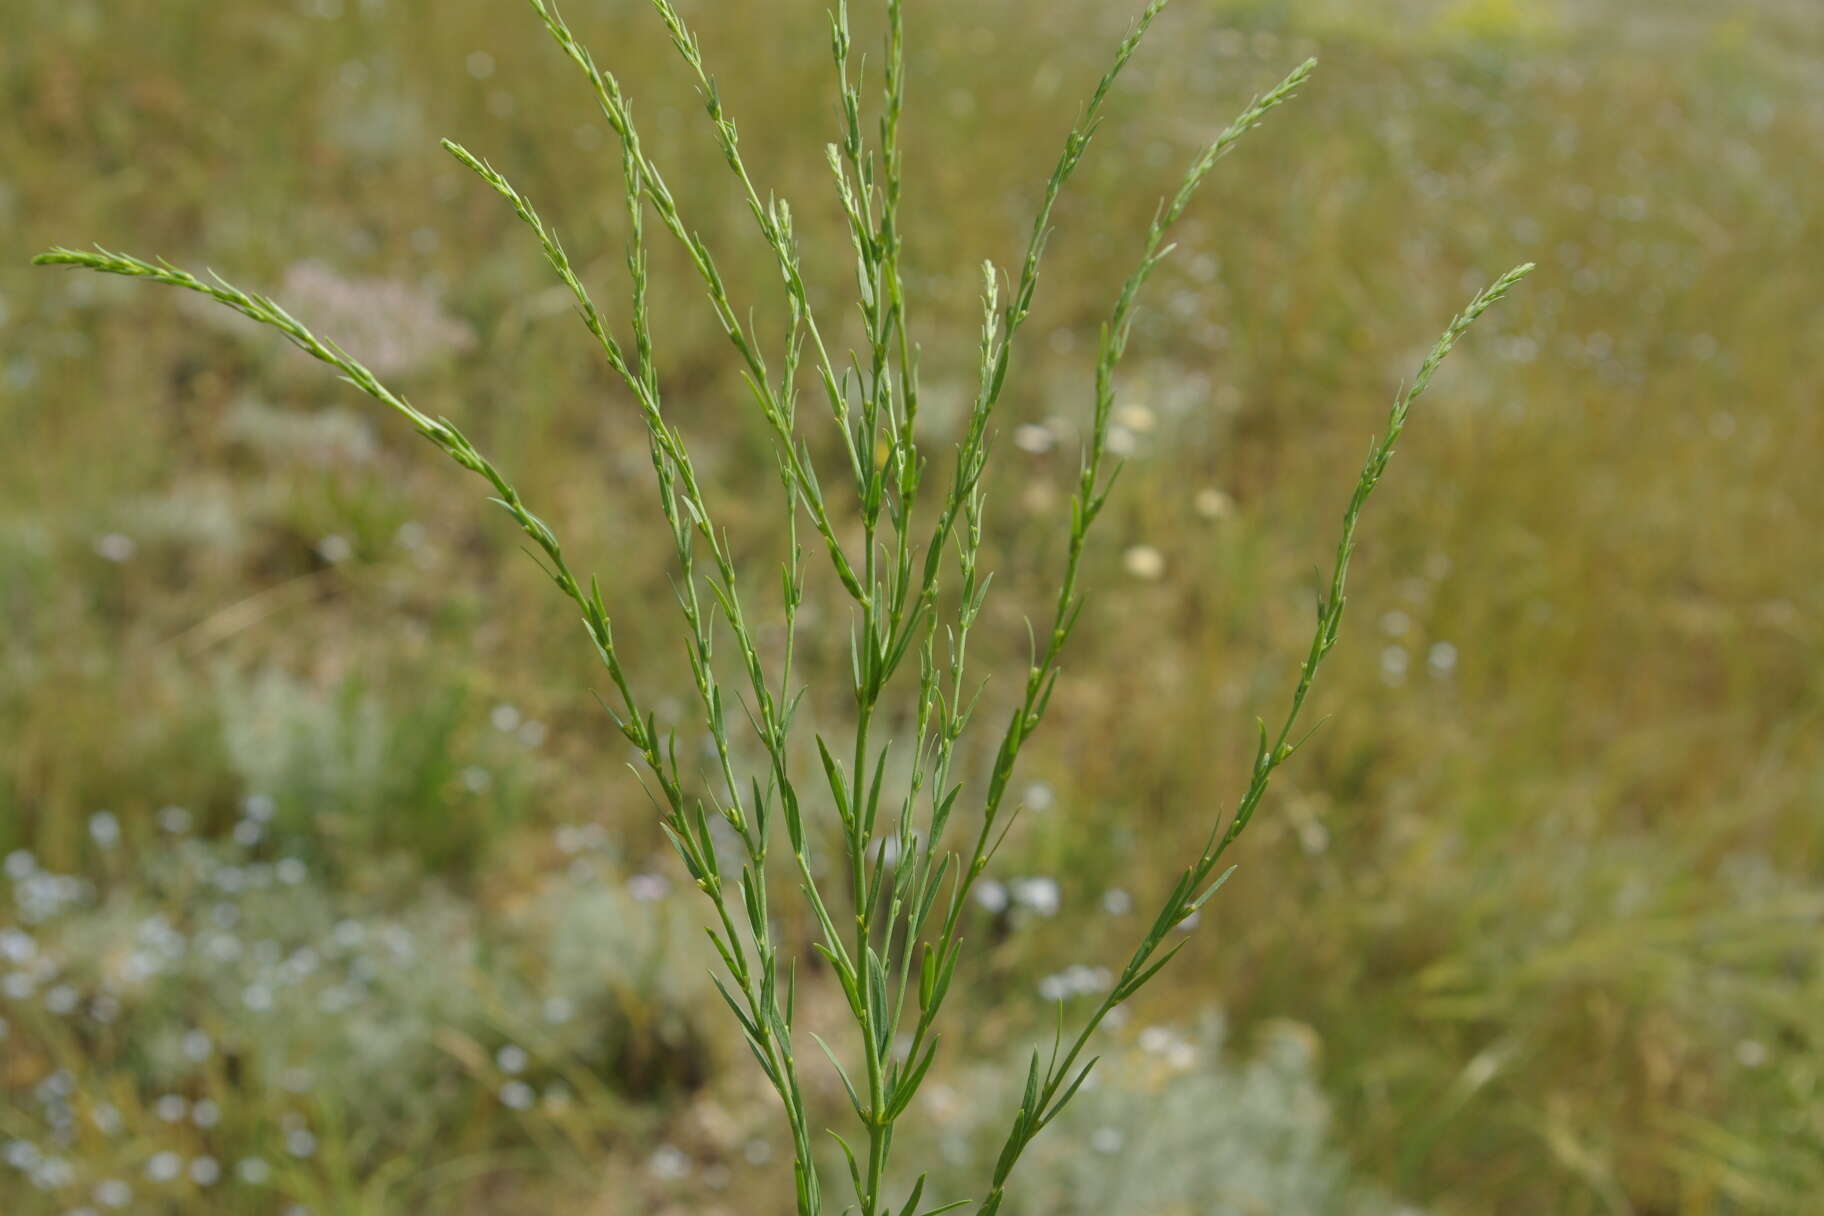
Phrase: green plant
x=889 y=912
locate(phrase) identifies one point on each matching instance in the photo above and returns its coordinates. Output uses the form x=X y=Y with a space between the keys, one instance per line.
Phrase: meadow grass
x=1585 y=819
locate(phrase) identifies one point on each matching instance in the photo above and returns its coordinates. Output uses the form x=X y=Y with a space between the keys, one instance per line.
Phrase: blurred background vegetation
x=326 y=887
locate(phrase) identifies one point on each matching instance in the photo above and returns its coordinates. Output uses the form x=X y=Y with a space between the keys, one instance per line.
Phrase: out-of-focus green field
x=375 y=920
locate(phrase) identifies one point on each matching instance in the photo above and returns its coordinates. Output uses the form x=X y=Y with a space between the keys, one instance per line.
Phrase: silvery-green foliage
x=1178 y=1124
x=604 y=942
x=880 y=843
x=204 y=959
x=282 y=734
x=351 y=766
